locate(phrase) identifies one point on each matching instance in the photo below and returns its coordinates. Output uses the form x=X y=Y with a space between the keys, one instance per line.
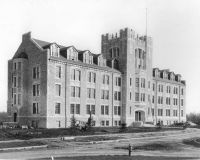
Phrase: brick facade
x=49 y=83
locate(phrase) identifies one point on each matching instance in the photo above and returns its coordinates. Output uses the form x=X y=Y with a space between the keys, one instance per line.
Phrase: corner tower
x=134 y=55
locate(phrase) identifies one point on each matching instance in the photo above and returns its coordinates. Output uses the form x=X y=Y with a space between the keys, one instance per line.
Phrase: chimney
x=26 y=36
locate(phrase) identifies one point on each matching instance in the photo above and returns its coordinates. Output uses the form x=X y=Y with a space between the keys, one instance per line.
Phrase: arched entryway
x=139 y=116
x=15 y=117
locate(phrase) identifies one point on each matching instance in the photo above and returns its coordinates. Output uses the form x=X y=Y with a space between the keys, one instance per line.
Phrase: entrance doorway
x=139 y=116
x=15 y=117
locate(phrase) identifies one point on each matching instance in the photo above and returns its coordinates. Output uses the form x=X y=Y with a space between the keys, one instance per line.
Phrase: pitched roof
x=41 y=43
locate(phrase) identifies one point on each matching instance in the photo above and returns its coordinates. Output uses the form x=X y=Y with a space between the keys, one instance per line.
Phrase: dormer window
x=90 y=59
x=54 y=50
x=72 y=54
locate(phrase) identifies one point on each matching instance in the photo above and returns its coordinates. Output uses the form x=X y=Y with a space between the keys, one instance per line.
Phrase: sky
x=174 y=26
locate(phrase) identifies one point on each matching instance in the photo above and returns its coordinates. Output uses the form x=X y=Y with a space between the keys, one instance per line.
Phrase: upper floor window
x=58 y=71
x=19 y=65
x=72 y=54
x=117 y=96
x=104 y=94
x=75 y=74
x=58 y=90
x=137 y=82
x=36 y=89
x=105 y=79
x=75 y=91
x=54 y=50
x=182 y=91
x=15 y=66
x=92 y=77
x=118 y=81
x=142 y=82
x=91 y=93
x=36 y=72
x=117 y=110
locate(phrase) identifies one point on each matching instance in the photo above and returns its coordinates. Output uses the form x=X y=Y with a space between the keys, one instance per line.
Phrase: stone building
x=49 y=83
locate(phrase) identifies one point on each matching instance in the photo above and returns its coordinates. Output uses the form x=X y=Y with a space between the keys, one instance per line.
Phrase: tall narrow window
x=19 y=99
x=58 y=90
x=58 y=71
x=57 y=108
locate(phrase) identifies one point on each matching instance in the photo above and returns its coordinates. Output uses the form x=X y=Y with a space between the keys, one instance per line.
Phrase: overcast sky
x=173 y=24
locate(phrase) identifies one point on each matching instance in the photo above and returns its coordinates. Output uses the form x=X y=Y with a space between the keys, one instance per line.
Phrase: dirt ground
x=149 y=145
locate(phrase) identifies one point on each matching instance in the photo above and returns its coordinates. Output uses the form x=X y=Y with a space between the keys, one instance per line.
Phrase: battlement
x=126 y=33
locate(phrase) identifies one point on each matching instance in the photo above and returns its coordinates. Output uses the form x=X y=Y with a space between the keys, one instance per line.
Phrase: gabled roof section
x=41 y=43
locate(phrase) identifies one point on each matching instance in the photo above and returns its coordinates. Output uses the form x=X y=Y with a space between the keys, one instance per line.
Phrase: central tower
x=133 y=54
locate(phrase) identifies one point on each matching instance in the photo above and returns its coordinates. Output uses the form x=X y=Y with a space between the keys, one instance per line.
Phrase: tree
x=194 y=118
x=73 y=122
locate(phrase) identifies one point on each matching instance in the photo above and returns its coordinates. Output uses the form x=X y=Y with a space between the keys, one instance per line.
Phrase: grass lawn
x=21 y=144
x=193 y=142
x=121 y=158
x=8 y=134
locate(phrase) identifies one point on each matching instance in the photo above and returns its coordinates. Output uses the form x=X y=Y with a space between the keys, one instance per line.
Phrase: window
x=57 y=108
x=182 y=91
x=106 y=110
x=117 y=81
x=117 y=96
x=15 y=98
x=75 y=74
x=90 y=108
x=72 y=91
x=91 y=93
x=92 y=77
x=181 y=113
x=130 y=110
x=19 y=82
x=75 y=91
x=19 y=99
x=142 y=98
x=102 y=123
x=117 y=110
x=15 y=81
x=78 y=91
x=19 y=65
x=105 y=79
x=58 y=90
x=130 y=81
x=107 y=123
x=130 y=95
x=77 y=108
x=160 y=112
x=36 y=89
x=181 y=102
x=58 y=71
x=149 y=84
x=168 y=112
x=137 y=82
x=175 y=113
x=142 y=82
x=102 y=110
x=104 y=94
x=153 y=86
x=36 y=72
x=35 y=108
x=72 y=108
x=15 y=66
x=152 y=111
x=136 y=96
x=168 y=100
x=153 y=99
